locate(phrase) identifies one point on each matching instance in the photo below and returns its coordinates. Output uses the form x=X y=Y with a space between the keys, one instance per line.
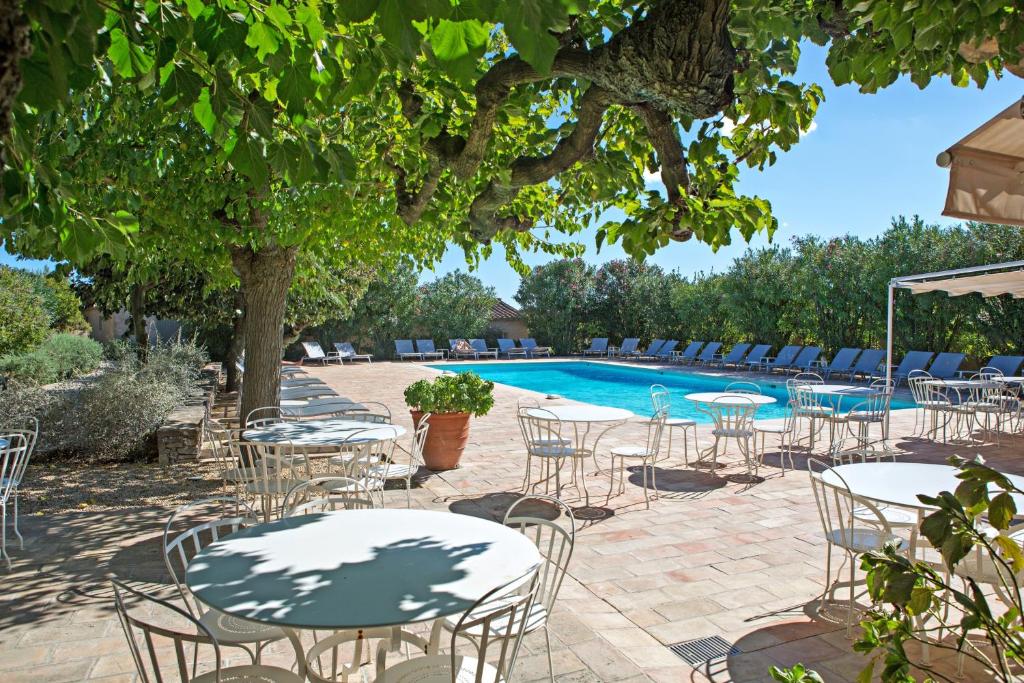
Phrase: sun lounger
x=868 y=363
x=807 y=360
x=598 y=347
x=782 y=361
x=404 y=350
x=461 y=348
x=316 y=352
x=665 y=352
x=425 y=347
x=480 y=346
x=508 y=348
x=945 y=365
x=628 y=347
x=532 y=350
x=652 y=349
x=311 y=391
x=348 y=352
x=755 y=359
x=689 y=354
x=914 y=360
x=711 y=356
x=841 y=363
x=322 y=407
x=1007 y=365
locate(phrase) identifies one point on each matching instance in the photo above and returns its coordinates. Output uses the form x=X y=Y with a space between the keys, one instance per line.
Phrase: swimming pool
x=629 y=388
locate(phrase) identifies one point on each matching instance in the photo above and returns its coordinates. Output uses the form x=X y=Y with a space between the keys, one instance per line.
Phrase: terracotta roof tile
x=504 y=311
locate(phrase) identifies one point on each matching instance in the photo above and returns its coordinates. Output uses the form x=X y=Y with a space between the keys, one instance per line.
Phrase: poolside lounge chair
x=1007 y=365
x=665 y=352
x=316 y=352
x=508 y=348
x=807 y=360
x=628 y=347
x=689 y=354
x=598 y=347
x=784 y=360
x=945 y=365
x=426 y=348
x=404 y=350
x=841 y=363
x=348 y=352
x=755 y=358
x=868 y=363
x=461 y=348
x=532 y=350
x=480 y=346
x=652 y=349
x=914 y=360
x=711 y=356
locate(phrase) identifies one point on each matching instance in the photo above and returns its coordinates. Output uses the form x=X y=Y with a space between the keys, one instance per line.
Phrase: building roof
x=504 y=311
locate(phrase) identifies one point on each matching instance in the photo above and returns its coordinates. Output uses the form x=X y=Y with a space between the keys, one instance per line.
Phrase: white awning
x=992 y=280
x=986 y=171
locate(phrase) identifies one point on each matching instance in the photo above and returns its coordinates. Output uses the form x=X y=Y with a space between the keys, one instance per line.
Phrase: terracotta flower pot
x=446 y=439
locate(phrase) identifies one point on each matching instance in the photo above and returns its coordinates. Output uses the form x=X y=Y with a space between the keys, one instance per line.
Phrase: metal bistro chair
x=555 y=544
x=845 y=530
x=180 y=548
x=742 y=388
x=785 y=430
x=271 y=470
x=392 y=470
x=501 y=614
x=13 y=460
x=327 y=494
x=873 y=410
x=809 y=406
x=732 y=418
x=29 y=428
x=646 y=453
x=660 y=398
x=158 y=649
x=542 y=435
x=360 y=455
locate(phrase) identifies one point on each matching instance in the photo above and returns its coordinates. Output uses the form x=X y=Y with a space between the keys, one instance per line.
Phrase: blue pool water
x=629 y=388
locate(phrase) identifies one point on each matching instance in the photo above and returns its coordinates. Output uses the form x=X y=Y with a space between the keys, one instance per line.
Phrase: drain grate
x=701 y=650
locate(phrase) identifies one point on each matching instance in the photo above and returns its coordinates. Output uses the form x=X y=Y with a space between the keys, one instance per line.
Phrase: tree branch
x=664 y=136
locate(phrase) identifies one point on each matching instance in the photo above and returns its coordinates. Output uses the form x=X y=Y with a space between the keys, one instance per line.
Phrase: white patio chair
x=555 y=544
x=873 y=410
x=733 y=418
x=917 y=380
x=159 y=649
x=542 y=435
x=660 y=398
x=646 y=454
x=29 y=428
x=845 y=530
x=359 y=455
x=180 y=548
x=271 y=470
x=374 y=412
x=327 y=494
x=13 y=459
x=392 y=470
x=809 y=406
x=990 y=407
x=221 y=442
x=785 y=430
x=263 y=416
x=501 y=616
x=742 y=388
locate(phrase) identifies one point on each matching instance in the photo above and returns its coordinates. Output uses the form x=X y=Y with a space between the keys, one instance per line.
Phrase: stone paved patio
x=714 y=555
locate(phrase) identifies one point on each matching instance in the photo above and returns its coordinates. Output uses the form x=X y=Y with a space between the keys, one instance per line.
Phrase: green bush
x=24 y=321
x=462 y=393
x=29 y=368
x=61 y=303
x=62 y=356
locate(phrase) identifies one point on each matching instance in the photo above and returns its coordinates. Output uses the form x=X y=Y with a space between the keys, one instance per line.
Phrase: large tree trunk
x=237 y=344
x=15 y=45
x=137 y=310
x=265 y=276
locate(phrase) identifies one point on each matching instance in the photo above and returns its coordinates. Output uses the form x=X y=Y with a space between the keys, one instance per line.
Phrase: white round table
x=899 y=483
x=730 y=398
x=359 y=568
x=332 y=432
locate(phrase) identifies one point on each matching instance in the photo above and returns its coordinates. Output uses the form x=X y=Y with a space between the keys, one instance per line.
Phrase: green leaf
x=452 y=40
x=1001 y=510
x=39 y=88
x=247 y=160
x=203 y=111
x=128 y=58
x=357 y=10
x=264 y=38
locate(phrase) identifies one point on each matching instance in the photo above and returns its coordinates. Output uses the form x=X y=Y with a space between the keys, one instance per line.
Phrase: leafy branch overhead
x=468 y=120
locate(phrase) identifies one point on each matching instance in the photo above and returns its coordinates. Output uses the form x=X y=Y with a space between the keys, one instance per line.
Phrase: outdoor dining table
x=730 y=398
x=834 y=395
x=329 y=432
x=372 y=571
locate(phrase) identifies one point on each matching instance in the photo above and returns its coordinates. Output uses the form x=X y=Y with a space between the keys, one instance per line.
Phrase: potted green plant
x=451 y=400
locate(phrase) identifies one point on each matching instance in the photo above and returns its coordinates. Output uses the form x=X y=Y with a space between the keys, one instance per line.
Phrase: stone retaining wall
x=180 y=437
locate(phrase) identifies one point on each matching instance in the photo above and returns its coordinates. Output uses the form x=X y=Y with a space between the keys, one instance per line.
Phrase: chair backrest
x=787 y=355
x=219 y=440
x=836 y=504
x=506 y=344
x=542 y=432
x=654 y=347
x=734 y=413
x=668 y=347
x=403 y=346
x=374 y=411
x=425 y=346
x=869 y=361
x=844 y=358
x=660 y=398
x=655 y=430
x=266 y=415
x=629 y=345
x=13 y=460
x=807 y=355
x=1007 y=365
x=919 y=389
x=599 y=344
x=313 y=350
x=157 y=649
x=945 y=365
x=179 y=548
x=876 y=404
x=914 y=360
x=504 y=618
x=691 y=350
x=326 y=494
x=419 y=439
x=478 y=345
x=528 y=343
x=735 y=354
x=344 y=349
x=757 y=353
x=554 y=542
x=743 y=388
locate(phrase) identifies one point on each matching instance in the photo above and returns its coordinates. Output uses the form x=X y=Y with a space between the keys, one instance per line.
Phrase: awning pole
x=888 y=336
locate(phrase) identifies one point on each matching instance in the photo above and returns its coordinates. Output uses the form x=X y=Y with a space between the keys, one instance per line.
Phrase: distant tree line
x=830 y=293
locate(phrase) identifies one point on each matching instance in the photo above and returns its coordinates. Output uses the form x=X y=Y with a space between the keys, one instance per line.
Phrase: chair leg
x=551 y=666
x=3 y=535
x=21 y=541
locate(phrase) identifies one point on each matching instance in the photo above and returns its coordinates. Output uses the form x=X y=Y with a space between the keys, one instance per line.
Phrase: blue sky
x=869 y=158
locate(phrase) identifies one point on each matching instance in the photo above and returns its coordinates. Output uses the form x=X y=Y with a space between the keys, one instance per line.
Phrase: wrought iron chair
x=391 y=470
x=646 y=454
x=327 y=494
x=660 y=398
